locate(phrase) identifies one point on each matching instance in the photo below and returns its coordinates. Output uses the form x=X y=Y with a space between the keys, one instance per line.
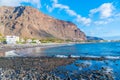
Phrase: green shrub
x=51 y=40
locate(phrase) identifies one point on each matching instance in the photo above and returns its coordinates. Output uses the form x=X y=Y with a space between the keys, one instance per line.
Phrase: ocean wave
x=11 y=54
x=61 y=56
x=113 y=57
x=76 y=56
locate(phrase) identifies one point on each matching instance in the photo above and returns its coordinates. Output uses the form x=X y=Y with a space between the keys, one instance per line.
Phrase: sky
x=95 y=18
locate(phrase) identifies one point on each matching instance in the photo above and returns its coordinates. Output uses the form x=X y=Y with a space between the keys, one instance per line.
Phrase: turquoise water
x=90 y=49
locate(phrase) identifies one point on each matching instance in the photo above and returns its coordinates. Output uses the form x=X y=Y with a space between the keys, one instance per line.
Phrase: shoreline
x=8 y=47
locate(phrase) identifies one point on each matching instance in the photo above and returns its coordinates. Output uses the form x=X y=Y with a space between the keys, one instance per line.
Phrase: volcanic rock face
x=28 y=22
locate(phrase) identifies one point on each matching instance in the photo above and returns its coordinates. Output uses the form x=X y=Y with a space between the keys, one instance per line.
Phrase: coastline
x=49 y=67
x=8 y=47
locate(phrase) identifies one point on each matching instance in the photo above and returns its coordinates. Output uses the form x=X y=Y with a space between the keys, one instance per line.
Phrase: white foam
x=61 y=56
x=106 y=57
x=88 y=63
x=74 y=56
x=11 y=54
x=112 y=57
x=108 y=69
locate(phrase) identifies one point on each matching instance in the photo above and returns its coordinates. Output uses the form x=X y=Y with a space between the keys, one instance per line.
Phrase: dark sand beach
x=8 y=47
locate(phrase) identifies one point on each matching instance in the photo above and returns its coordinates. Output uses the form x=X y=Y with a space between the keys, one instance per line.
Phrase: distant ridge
x=93 y=38
x=31 y=23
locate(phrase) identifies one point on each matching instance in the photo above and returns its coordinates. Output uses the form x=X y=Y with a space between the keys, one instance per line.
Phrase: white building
x=12 y=39
x=29 y=41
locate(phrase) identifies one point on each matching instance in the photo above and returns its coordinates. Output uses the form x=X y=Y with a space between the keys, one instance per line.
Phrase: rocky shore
x=30 y=68
x=47 y=68
x=100 y=74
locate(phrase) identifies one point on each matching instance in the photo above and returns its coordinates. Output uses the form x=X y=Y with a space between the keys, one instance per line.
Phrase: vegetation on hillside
x=2 y=38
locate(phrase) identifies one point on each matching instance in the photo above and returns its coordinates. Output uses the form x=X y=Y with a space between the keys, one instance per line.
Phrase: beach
x=8 y=47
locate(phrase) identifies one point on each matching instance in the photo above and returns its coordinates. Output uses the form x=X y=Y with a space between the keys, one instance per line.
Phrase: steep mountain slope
x=28 y=22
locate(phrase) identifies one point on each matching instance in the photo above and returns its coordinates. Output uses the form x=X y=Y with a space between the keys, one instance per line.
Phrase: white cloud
x=71 y=12
x=106 y=14
x=105 y=10
x=9 y=3
x=102 y=22
x=35 y=3
x=78 y=18
x=49 y=8
x=60 y=6
x=83 y=20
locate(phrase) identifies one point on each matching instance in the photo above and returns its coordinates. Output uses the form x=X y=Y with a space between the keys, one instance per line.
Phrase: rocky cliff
x=28 y=22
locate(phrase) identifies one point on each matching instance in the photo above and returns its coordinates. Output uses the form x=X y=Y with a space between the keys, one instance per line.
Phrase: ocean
x=87 y=49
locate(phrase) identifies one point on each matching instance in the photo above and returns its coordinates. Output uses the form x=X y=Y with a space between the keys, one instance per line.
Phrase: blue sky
x=95 y=18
